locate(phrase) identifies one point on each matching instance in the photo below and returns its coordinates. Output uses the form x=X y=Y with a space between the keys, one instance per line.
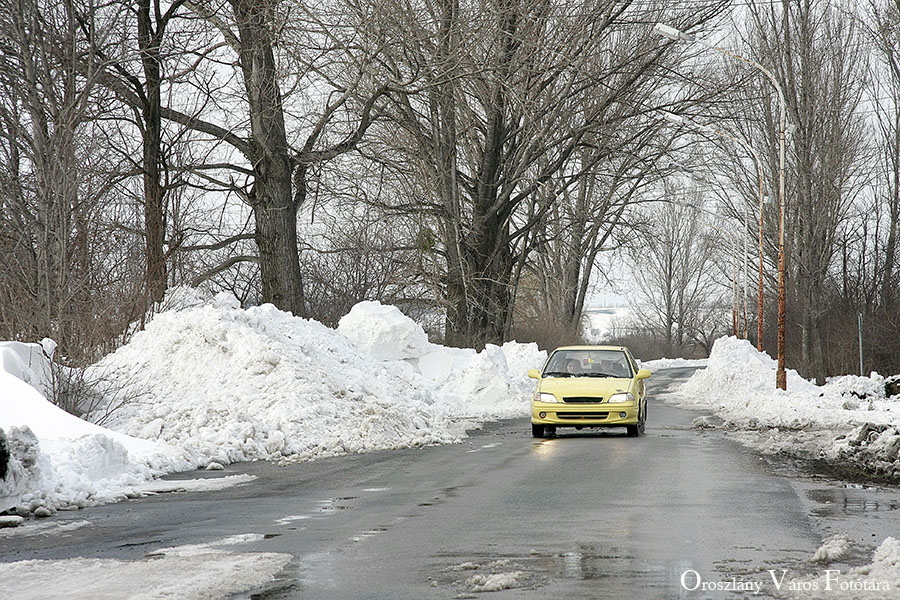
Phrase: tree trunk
x=274 y=207
x=572 y=267
x=486 y=256
x=279 y=259
x=480 y=309
x=154 y=191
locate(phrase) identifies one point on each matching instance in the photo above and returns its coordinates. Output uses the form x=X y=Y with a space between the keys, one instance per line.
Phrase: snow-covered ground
x=672 y=363
x=208 y=383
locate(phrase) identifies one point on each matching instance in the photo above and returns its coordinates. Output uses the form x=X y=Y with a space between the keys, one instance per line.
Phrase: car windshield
x=588 y=363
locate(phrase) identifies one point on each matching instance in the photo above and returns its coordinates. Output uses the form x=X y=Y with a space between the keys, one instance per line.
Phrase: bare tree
x=509 y=95
x=819 y=57
x=133 y=69
x=866 y=278
x=591 y=218
x=885 y=32
x=55 y=253
x=671 y=261
x=274 y=177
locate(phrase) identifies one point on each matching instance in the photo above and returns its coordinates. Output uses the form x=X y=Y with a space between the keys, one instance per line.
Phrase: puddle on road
x=333 y=505
x=852 y=499
x=370 y=533
x=864 y=513
x=478 y=571
x=316 y=569
x=616 y=569
x=291 y=518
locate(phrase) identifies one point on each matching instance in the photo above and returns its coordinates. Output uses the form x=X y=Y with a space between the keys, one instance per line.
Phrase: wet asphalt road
x=582 y=515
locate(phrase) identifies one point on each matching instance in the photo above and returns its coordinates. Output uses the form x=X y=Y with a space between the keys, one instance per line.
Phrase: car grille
x=582 y=399
x=582 y=415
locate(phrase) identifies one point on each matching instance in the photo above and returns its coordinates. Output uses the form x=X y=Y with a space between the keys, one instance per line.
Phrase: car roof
x=583 y=347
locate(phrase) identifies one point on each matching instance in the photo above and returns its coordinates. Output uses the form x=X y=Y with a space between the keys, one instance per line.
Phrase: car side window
x=631 y=361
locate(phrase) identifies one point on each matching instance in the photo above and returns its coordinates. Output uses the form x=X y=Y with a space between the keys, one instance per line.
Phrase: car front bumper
x=584 y=415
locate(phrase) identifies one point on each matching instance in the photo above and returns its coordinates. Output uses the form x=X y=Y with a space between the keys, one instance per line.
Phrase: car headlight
x=544 y=397
x=622 y=397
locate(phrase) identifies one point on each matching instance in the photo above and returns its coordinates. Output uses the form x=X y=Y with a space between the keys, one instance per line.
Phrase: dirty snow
x=495 y=582
x=875 y=581
x=833 y=548
x=216 y=570
x=849 y=422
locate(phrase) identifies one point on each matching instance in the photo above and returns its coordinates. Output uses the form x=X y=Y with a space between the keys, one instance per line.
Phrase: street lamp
x=681 y=120
x=672 y=33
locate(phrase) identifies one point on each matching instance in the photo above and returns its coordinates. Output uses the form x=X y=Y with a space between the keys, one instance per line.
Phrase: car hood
x=584 y=386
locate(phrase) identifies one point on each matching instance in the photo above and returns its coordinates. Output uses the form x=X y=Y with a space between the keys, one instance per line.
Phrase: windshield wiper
x=557 y=374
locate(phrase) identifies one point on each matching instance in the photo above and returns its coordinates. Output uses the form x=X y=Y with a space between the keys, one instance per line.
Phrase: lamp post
x=681 y=120
x=674 y=34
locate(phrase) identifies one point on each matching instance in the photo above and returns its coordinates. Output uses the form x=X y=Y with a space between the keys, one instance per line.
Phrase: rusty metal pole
x=745 y=276
x=781 y=375
x=734 y=294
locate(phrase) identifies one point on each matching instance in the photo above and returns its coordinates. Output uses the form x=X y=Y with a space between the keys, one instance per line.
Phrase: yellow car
x=589 y=386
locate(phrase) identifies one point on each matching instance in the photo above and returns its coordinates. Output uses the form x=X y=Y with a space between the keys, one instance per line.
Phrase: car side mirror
x=643 y=374
x=534 y=373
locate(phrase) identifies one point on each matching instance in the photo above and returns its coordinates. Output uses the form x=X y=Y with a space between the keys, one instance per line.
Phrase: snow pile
x=847 y=422
x=522 y=357
x=871 y=387
x=481 y=385
x=58 y=460
x=30 y=363
x=209 y=383
x=225 y=384
x=383 y=331
x=489 y=384
x=834 y=548
x=735 y=368
x=484 y=389
x=880 y=579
